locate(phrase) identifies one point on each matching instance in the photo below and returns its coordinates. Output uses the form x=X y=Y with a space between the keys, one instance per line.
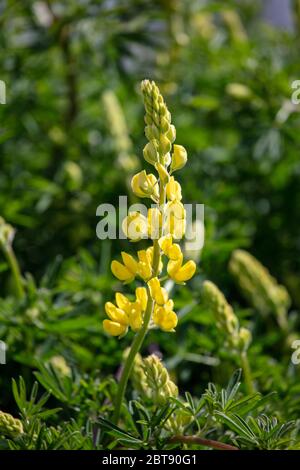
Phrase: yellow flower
x=158 y=293
x=125 y=272
x=135 y=226
x=142 y=297
x=165 y=318
x=118 y=323
x=135 y=316
x=180 y=273
x=125 y=313
x=144 y=265
x=173 y=190
x=174 y=220
x=144 y=185
x=170 y=249
x=179 y=158
x=154 y=223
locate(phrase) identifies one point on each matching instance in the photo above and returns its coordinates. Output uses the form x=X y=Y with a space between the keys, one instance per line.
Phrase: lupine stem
x=15 y=270
x=192 y=440
x=247 y=372
x=135 y=347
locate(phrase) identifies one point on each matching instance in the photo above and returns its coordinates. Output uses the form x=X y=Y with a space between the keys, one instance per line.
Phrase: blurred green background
x=72 y=134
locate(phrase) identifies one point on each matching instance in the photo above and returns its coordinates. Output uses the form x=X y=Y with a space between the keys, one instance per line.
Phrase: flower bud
x=144 y=185
x=161 y=387
x=179 y=158
x=164 y=145
x=150 y=153
x=171 y=134
x=173 y=190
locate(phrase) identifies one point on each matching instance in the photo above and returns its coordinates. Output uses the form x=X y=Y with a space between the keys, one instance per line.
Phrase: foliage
x=71 y=68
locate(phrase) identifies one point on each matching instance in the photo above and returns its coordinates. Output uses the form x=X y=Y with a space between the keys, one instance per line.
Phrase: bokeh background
x=72 y=135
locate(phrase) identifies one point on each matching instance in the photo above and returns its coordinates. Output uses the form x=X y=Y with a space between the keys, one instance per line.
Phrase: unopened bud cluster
x=152 y=380
x=226 y=320
x=10 y=426
x=258 y=286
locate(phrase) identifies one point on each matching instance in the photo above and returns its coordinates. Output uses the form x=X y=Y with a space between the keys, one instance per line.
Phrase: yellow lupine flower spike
x=158 y=293
x=164 y=223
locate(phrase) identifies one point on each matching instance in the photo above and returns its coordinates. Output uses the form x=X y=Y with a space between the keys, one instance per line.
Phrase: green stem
x=15 y=270
x=247 y=373
x=135 y=347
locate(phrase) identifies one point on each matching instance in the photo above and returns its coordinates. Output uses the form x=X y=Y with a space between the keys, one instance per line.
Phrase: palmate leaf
x=262 y=432
x=117 y=432
x=237 y=424
x=140 y=418
x=62 y=387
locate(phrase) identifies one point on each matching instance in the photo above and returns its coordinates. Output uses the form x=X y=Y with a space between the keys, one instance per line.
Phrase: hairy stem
x=15 y=270
x=192 y=440
x=135 y=347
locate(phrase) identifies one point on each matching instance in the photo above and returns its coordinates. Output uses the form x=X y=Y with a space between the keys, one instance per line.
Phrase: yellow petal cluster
x=125 y=314
x=176 y=270
x=163 y=315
